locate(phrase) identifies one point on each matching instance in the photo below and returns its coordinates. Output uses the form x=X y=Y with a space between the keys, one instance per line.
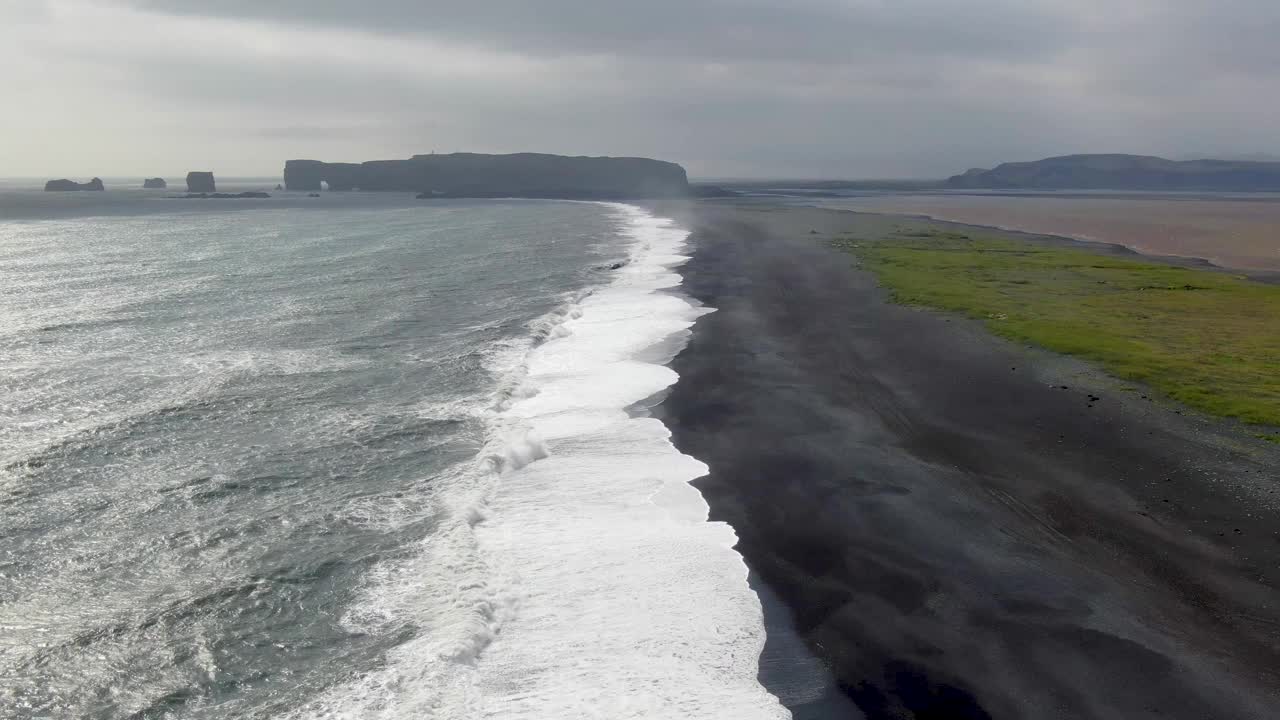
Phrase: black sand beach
x=953 y=532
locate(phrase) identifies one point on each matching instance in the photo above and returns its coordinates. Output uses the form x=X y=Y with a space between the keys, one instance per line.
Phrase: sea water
x=356 y=456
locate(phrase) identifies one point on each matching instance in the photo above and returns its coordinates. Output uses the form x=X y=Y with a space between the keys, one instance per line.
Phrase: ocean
x=357 y=456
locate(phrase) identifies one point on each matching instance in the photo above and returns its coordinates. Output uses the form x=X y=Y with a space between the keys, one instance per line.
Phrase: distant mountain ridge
x=530 y=175
x=1124 y=172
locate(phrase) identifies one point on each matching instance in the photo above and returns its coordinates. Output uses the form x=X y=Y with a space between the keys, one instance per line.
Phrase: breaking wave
x=572 y=572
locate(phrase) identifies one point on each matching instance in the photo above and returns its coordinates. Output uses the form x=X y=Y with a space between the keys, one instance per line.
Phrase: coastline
x=1186 y=229
x=949 y=530
x=1096 y=245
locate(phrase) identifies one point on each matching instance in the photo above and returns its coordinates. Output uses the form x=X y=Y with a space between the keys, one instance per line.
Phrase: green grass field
x=1206 y=339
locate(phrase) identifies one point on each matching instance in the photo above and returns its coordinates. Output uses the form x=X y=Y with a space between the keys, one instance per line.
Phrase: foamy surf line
x=574 y=573
x=628 y=602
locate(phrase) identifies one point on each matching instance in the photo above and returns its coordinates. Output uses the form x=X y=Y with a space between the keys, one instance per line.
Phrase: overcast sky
x=729 y=88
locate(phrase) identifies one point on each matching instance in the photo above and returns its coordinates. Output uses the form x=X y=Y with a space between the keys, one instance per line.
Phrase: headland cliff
x=530 y=175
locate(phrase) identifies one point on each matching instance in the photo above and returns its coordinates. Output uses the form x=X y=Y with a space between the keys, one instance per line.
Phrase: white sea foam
x=630 y=604
x=574 y=573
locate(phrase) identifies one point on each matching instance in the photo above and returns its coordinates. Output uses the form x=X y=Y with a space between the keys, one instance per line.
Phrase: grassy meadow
x=1207 y=339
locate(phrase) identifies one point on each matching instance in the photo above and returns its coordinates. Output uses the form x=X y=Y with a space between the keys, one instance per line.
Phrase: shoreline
x=948 y=530
x=1196 y=247
x=1271 y=277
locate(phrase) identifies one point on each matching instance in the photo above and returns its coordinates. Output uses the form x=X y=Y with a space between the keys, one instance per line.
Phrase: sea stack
x=65 y=185
x=200 y=182
x=154 y=184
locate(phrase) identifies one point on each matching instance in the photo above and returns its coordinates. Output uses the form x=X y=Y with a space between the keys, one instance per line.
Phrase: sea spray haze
x=364 y=458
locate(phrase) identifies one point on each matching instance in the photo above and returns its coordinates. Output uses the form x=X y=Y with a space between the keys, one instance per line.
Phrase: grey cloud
x=1196 y=36
x=849 y=88
x=729 y=131
x=799 y=30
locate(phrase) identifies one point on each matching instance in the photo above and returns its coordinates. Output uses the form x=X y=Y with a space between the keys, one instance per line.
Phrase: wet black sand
x=952 y=533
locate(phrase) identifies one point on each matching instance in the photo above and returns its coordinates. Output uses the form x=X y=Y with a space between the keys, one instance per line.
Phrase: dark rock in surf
x=65 y=185
x=200 y=182
x=154 y=184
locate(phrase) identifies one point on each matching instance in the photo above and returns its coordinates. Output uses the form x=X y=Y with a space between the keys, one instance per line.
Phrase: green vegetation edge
x=1207 y=339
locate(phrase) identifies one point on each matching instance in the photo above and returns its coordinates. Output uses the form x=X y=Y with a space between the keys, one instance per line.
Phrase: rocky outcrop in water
x=200 y=182
x=1124 y=172
x=65 y=185
x=154 y=184
x=529 y=175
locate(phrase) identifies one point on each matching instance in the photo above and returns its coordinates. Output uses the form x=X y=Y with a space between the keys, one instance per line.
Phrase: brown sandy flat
x=959 y=527
x=1231 y=233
